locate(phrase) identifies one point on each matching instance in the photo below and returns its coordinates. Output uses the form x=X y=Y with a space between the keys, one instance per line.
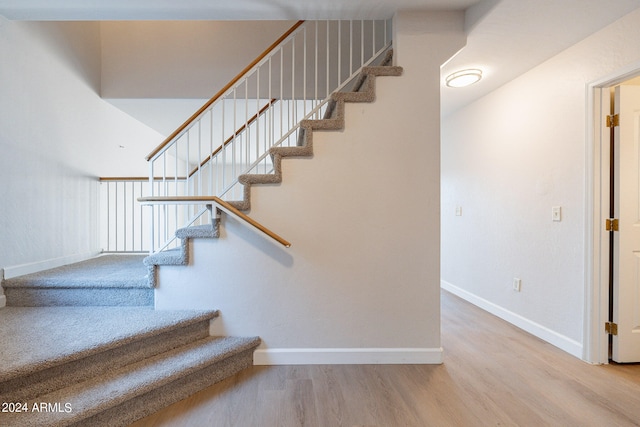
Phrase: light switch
x=458 y=210
x=556 y=213
x=517 y=284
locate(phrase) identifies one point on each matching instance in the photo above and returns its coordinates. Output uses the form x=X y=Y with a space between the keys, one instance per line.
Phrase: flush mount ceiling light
x=464 y=78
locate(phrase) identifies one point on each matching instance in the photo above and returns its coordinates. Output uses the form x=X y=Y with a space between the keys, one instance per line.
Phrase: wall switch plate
x=458 y=210
x=517 y=284
x=556 y=213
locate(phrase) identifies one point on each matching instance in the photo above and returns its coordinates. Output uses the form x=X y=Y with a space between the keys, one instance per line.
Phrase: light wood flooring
x=494 y=375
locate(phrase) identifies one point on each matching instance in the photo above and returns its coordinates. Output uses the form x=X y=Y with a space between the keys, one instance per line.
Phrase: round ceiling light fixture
x=464 y=78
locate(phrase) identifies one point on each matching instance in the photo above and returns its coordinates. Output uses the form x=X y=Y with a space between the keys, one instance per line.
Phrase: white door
x=626 y=301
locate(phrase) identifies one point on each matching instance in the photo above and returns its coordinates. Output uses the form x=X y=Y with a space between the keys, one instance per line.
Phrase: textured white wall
x=56 y=136
x=506 y=160
x=361 y=281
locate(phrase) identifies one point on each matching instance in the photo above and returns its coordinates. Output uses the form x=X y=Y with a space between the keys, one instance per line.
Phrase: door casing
x=596 y=296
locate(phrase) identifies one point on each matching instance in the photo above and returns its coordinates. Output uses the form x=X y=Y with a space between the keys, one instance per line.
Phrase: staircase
x=79 y=361
x=362 y=90
x=266 y=113
x=87 y=348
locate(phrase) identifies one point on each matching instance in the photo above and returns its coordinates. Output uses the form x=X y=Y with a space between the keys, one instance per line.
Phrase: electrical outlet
x=517 y=284
x=458 y=210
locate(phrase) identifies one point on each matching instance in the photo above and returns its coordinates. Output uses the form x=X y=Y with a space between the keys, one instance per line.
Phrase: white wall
x=56 y=137
x=361 y=282
x=175 y=59
x=506 y=160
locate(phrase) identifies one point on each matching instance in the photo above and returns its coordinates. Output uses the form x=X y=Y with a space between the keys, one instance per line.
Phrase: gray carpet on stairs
x=33 y=338
x=124 y=395
x=89 y=351
x=108 y=280
x=111 y=365
x=107 y=271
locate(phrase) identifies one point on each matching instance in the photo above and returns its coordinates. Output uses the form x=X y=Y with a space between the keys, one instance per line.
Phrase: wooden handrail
x=214 y=200
x=223 y=90
x=231 y=138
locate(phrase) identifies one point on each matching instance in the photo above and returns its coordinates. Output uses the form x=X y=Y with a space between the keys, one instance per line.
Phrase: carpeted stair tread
x=383 y=70
x=206 y=231
x=302 y=151
x=110 y=280
x=174 y=256
x=34 y=339
x=264 y=178
x=323 y=124
x=123 y=386
x=108 y=271
x=180 y=255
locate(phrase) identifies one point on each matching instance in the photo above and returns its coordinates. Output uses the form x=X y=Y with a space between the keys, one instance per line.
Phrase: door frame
x=596 y=296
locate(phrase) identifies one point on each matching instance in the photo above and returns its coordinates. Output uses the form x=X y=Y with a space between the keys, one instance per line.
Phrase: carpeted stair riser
x=121 y=396
x=44 y=381
x=153 y=401
x=59 y=297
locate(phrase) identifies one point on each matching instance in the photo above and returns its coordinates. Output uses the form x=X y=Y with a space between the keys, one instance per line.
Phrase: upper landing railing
x=260 y=108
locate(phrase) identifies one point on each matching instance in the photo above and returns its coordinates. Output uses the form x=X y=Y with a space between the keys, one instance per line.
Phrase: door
x=626 y=283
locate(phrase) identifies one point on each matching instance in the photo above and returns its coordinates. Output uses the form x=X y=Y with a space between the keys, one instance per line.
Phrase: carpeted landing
x=106 y=366
x=108 y=280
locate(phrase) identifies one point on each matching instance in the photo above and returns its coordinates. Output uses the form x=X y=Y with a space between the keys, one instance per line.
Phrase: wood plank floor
x=494 y=375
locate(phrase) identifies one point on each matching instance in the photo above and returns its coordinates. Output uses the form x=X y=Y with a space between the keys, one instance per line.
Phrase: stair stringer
x=334 y=121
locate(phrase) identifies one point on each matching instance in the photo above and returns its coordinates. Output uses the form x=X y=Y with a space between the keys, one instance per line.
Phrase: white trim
x=617 y=77
x=34 y=267
x=597 y=179
x=348 y=356
x=596 y=243
x=564 y=343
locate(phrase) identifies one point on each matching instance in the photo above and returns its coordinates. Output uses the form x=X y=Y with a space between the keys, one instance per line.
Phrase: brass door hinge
x=611 y=328
x=611 y=225
x=613 y=121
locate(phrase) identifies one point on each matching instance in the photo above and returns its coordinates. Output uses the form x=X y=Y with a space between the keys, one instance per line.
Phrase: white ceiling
x=216 y=9
x=508 y=37
x=505 y=37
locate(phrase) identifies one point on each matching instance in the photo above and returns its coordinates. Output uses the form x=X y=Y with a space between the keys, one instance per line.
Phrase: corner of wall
x=442 y=32
x=565 y=343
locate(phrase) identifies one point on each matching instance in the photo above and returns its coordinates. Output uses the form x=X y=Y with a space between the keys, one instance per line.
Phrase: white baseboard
x=564 y=343
x=34 y=267
x=348 y=356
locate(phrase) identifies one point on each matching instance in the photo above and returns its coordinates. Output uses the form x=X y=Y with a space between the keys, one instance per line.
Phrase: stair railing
x=124 y=225
x=259 y=109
